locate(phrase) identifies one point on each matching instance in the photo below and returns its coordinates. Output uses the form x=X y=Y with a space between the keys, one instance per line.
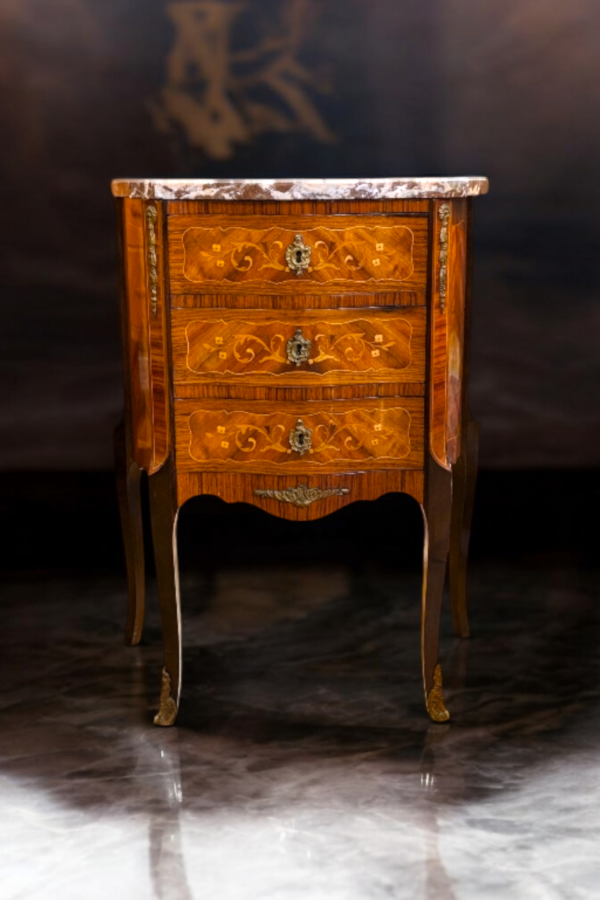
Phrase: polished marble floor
x=303 y=767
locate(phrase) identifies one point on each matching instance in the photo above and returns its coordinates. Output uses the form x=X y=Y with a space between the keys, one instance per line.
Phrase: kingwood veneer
x=298 y=346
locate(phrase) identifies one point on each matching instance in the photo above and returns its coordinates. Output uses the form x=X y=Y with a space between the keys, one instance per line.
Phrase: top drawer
x=297 y=254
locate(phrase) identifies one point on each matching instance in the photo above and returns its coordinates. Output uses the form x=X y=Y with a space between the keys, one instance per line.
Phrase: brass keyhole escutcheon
x=298 y=348
x=301 y=438
x=298 y=255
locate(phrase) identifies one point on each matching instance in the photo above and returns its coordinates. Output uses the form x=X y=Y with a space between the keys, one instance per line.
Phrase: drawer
x=300 y=437
x=297 y=350
x=287 y=254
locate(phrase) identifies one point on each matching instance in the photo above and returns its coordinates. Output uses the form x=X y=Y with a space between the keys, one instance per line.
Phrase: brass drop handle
x=297 y=256
x=298 y=348
x=301 y=438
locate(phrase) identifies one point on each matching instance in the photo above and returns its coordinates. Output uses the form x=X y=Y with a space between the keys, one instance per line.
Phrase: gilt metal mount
x=302 y=495
x=435 y=699
x=167 y=711
x=151 y=217
x=298 y=255
x=298 y=348
x=444 y=217
x=301 y=438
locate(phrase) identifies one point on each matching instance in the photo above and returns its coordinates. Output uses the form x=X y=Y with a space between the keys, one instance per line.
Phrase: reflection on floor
x=303 y=765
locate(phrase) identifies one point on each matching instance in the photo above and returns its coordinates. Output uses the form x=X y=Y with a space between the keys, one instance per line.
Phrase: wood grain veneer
x=296 y=207
x=292 y=302
x=229 y=391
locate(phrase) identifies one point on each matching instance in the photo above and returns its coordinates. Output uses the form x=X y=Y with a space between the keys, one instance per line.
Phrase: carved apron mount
x=302 y=496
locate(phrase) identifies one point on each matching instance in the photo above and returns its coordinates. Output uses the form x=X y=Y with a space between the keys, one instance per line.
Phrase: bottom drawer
x=300 y=437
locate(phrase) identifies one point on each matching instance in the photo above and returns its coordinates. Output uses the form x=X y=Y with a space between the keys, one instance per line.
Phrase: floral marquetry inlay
x=243 y=347
x=353 y=435
x=359 y=253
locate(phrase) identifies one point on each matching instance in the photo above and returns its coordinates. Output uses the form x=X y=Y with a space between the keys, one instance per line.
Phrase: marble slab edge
x=300 y=189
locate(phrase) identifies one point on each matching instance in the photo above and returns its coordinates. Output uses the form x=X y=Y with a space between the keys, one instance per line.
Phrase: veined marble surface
x=299 y=188
x=303 y=767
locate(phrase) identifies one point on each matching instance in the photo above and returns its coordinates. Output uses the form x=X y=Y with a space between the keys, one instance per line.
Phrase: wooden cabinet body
x=298 y=354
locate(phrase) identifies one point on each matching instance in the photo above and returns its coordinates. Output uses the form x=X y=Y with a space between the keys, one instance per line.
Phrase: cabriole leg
x=130 y=507
x=164 y=514
x=436 y=516
x=464 y=477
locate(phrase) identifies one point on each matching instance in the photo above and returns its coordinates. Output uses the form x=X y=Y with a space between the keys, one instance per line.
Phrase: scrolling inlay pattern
x=151 y=217
x=355 y=435
x=302 y=495
x=241 y=347
x=356 y=253
x=444 y=217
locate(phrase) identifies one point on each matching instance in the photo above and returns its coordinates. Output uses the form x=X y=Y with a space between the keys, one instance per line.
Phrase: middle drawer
x=300 y=349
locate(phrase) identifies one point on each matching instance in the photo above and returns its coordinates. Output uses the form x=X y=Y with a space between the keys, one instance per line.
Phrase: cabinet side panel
x=457 y=261
x=119 y=207
x=137 y=338
x=146 y=329
x=438 y=334
x=448 y=285
x=157 y=315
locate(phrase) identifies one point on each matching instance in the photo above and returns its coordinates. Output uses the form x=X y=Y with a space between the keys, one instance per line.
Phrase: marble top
x=299 y=188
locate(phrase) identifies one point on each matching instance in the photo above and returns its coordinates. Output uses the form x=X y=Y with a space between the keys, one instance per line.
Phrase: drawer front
x=291 y=254
x=299 y=350
x=301 y=437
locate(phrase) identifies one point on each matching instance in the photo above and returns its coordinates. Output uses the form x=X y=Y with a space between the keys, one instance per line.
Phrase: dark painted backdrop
x=92 y=89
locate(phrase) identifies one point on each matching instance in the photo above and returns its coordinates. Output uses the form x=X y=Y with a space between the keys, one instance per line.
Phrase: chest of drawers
x=297 y=346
